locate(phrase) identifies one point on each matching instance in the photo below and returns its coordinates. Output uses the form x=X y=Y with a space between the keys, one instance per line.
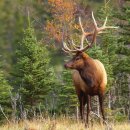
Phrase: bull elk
x=89 y=74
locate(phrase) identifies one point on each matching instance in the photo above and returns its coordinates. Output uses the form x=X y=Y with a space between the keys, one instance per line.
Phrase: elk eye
x=78 y=58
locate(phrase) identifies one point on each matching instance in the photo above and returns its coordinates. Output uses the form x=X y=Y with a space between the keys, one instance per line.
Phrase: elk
x=89 y=75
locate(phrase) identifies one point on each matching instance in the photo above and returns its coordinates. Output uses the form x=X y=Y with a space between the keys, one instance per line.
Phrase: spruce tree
x=123 y=66
x=5 y=88
x=68 y=96
x=32 y=74
x=124 y=39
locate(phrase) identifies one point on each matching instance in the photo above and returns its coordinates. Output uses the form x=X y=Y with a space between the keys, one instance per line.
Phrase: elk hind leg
x=101 y=99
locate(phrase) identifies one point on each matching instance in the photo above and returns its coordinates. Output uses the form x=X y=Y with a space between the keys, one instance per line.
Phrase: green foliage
x=120 y=117
x=124 y=40
x=34 y=79
x=123 y=63
x=5 y=89
x=32 y=74
x=68 y=96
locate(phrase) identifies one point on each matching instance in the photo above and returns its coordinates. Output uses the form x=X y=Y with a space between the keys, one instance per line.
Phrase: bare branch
x=4 y=114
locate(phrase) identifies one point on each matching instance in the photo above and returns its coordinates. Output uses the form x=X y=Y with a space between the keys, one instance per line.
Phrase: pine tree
x=32 y=74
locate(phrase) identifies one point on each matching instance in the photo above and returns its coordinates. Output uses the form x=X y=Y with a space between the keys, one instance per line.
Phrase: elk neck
x=87 y=71
x=86 y=60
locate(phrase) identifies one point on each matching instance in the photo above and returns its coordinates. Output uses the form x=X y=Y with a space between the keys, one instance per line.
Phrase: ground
x=61 y=124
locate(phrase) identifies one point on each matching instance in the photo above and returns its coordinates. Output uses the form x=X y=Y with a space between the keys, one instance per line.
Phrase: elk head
x=78 y=61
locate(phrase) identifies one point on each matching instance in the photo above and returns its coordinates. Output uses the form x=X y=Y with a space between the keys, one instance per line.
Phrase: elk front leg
x=88 y=110
x=82 y=105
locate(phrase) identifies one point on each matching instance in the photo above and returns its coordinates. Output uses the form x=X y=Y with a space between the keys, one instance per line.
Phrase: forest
x=34 y=85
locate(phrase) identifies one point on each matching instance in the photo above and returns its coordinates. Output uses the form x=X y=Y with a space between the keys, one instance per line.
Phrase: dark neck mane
x=88 y=74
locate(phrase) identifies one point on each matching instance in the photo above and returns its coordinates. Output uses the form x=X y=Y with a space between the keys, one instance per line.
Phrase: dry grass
x=60 y=124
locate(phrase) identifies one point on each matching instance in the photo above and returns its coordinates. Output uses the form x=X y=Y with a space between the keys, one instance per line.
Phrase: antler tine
x=74 y=45
x=107 y=27
x=95 y=30
x=83 y=35
x=66 y=48
x=105 y=22
x=80 y=23
x=99 y=30
x=95 y=23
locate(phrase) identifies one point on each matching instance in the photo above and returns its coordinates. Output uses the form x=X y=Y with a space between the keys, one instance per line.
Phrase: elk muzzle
x=69 y=65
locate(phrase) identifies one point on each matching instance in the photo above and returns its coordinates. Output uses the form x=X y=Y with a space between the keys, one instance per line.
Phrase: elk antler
x=74 y=46
x=97 y=30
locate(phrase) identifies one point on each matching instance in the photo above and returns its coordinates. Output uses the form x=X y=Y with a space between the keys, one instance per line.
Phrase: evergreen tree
x=5 y=88
x=68 y=96
x=123 y=71
x=124 y=39
x=32 y=74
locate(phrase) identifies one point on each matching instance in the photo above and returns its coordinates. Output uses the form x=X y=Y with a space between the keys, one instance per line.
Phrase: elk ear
x=84 y=55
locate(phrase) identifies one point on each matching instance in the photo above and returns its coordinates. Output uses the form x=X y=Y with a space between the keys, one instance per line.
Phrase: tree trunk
x=98 y=107
x=77 y=112
x=109 y=100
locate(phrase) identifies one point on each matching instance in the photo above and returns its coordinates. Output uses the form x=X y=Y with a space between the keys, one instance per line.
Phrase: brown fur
x=89 y=79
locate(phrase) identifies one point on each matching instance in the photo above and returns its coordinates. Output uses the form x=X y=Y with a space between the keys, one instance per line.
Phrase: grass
x=60 y=124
